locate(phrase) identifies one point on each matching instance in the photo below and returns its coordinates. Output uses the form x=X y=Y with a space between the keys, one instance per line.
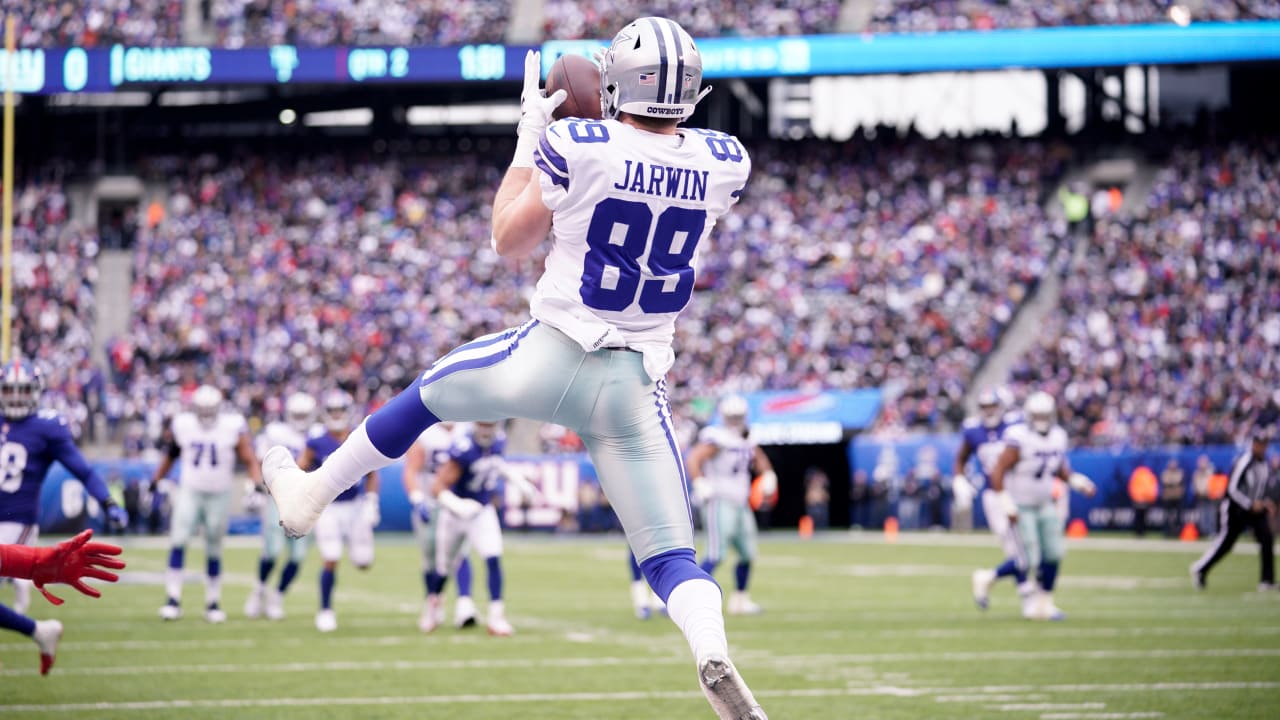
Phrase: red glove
x=67 y=562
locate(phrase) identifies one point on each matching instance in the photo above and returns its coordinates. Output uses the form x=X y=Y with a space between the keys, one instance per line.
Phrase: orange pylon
x=806 y=527
x=891 y=529
x=1189 y=533
x=1077 y=529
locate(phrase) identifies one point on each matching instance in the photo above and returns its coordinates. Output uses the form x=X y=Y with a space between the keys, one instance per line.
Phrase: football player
x=627 y=201
x=981 y=439
x=464 y=487
x=207 y=439
x=1034 y=453
x=70 y=561
x=354 y=514
x=31 y=441
x=292 y=433
x=424 y=459
x=721 y=467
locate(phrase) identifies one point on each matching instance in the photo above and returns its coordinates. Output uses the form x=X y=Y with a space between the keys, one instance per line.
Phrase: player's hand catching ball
x=535 y=110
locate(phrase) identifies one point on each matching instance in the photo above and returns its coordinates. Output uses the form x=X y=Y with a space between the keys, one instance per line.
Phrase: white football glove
x=370 y=513
x=769 y=484
x=535 y=110
x=1082 y=484
x=465 y=508
x=253 y=499
x=1004 y=501
x=962 y=493
x=702 y=491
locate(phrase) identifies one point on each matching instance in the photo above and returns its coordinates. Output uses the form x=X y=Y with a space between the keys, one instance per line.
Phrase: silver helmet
x=652 y=68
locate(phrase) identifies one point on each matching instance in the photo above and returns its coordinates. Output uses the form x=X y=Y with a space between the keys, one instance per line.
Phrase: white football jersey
x=436 y=441
x=1030 y=481
x=729 y=470
x=208 y=459
x=281 y=433
x=630 y=210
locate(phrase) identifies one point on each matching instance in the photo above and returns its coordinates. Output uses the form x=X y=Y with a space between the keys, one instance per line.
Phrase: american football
x=580 y=79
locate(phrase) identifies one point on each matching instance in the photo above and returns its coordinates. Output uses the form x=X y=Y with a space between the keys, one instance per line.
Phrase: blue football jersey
x=985 y=442
x=322 y=446
x=28 y=448
x=481 y=469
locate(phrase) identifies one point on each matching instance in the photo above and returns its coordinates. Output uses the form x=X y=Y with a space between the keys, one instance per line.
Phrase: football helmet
x=21 y=384
x=206 y=401
x=733 y=411
x=990 y=408
x=1040 y=408
x=651 y=68
x=483 y=434
x=337 y=411
x=299 y=411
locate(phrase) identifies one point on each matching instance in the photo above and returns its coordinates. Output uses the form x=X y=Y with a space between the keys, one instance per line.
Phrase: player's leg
x=464 y=608
x=1266 y=551
x=714 y=522
x=12 y=533
x=450 y=541
x=1028 y=529
x=639 y=589
x=45 y=633
x=273 y=542
x=1230 y=526
x=485 y=534
x=182 y=527
x=628 y=432
x=360 y=545
x=328 y=534
x=1015 y=563
x=296 y=551
x=216 y=511
x=1052 y=550
x=496 y=377
x=744 y=542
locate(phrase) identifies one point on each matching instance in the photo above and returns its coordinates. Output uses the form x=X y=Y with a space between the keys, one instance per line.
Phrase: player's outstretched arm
x=446 y=477
x=520 y=219
x=698 y=457
x=244 y=448
x=70 y=561
x=1007 y=460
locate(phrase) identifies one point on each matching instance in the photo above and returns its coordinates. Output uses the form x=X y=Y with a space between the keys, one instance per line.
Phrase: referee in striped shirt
x=1246 y=506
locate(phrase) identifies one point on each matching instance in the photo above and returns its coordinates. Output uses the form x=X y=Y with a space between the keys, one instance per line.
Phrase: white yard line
x=780 y=662
x=884 y=690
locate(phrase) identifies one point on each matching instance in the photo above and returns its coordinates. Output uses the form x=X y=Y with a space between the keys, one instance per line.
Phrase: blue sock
x=742 y=573
x=709 y=566
x=265 y=565
x=213 y=567
x=288 y=574
x=435 y=582
x=667 y=570
x=1010 y=567
x=11 y=620
x=1048 y=575
x=394 y=428
x=464 y=578
x=495 y=577
x=635 y=568
x=327 y=581
x=426 y=580
x=176 y=556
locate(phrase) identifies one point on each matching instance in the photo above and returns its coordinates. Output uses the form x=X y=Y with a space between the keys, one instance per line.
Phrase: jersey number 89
x=619 y=236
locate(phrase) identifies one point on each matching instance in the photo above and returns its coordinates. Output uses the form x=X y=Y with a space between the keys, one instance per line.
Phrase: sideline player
x=721 y=467
x=70 y=561
x=464 y=488
x=207 y=439
x=423 y=459
x=351 y=518
x=291 y=432
x=1035 y=452
x=627 y=200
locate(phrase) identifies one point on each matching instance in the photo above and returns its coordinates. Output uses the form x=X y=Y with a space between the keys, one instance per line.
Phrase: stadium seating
x=943 y=15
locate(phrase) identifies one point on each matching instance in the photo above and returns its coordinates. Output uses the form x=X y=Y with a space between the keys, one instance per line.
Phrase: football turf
x=853 y=628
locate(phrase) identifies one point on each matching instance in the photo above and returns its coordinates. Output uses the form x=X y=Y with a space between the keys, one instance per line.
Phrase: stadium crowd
x=944 y=15
x=90 y=23
x=569 y=20
x=1168 y=331
x=316 y=23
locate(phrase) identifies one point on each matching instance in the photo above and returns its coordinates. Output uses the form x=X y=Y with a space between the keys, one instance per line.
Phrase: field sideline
x=854 y=628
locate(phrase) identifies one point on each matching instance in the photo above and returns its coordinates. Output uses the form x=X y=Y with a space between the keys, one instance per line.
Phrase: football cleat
x=740 y=604
x=253 y=604
x=1266 y=587
x=640 y=600
x=275 y=605
x=288 y=486
x=725 y=690
x=982 y=581
x=432 y=615
x=47 y=635
x=498 y=625
x=171 y=610
x=1198 y=579
x=214 y=614
x=464 y=612
x=326 y=621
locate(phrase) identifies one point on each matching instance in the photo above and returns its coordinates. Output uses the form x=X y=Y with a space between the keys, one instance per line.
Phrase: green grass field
x=854 y=628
